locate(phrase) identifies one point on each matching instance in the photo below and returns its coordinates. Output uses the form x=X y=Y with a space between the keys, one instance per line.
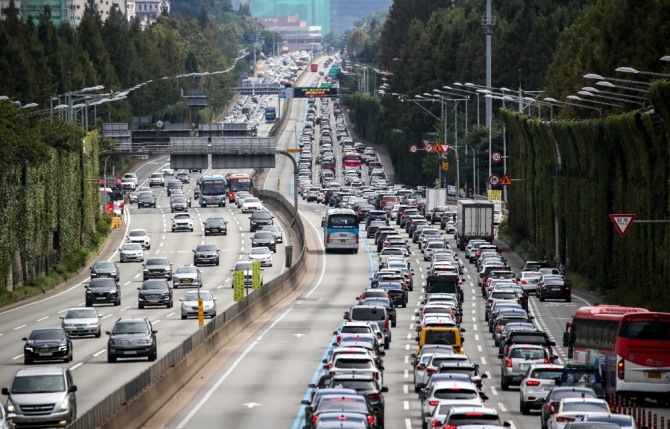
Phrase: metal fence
x=115 y=401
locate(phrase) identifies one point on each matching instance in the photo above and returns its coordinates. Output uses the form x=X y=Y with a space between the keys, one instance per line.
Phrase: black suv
x=264 y=239
x=260 y=218
x=366 y=386
x=131 y=338
x=527 y=337
x=157 y=267
x=154 y=292
x=146 y=199
x=105 y=269
x=205 y=254
x=215 y=225
x=376 y=215
x=173 y=184
x=103 y=290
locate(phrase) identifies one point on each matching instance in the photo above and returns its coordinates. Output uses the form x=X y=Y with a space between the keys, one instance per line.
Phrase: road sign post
x=238 y=286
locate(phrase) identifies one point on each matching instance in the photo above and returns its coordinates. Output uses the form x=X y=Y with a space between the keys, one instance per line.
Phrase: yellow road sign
x=238 y=286
x=445 y=165
x=256 y=275
x=506 y=181
x=494 y=195
x=201 y=312
x=293 y=150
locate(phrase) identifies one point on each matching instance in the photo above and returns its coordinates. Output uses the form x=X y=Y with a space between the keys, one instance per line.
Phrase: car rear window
x=354 y=363
x=370 y=313
x=455 y=393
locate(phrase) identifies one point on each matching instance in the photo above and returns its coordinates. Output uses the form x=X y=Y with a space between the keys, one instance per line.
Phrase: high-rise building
x=314 y=12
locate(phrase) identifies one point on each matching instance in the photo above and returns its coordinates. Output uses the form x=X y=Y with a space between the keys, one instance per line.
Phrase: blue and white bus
x=340 y=230
x=213 y=190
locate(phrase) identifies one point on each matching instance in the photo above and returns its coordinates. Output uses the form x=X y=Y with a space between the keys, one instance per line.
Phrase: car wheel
x=98 y=334
x=70 y=357
x=504 y=386
x=153 y=355
x=140 y=306
x=568 y=299
x=110 y=358
x=117 y=302
x=525 y=409
x=541 y=298
x=183 y=317
x=387 y=344
x=89 y=304
x=27 y=361
x=393 y=324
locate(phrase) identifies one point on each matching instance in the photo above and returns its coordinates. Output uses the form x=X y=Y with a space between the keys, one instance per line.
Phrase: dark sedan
x=47 y=344
x=154 y=292
x=264 y=239
x=215 y=225
x=105 y=269
x=103 y=291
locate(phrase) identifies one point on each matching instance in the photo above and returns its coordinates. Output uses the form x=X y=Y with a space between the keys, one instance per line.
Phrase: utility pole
x=489 y=22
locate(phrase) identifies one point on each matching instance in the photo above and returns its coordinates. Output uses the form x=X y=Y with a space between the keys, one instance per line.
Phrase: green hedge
x=574 y=175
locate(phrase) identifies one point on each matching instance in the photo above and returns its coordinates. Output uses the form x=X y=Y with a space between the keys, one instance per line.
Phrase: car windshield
x=43 y=383
x=205 y=248
x=243 y=266
x=158 y=261
x=131 y=328
x=182 y=216
x=47 y=334
x=262 y=215
x=186 y=270
x=252 y=200
x=137 y=233
x=264 y=235
x=104 y=266
x=193 y=296
x=455 y=393
x=152 y=285
x=81 y=313
x=132 y=246
x=585 y=406
x=215 y=221
x=259 y=251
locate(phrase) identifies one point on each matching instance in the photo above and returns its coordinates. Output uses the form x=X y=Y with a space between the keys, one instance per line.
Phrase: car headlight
x=145 y=342
x=64 y=405
x=10 y=406
x=28 y=349
x=62 y=347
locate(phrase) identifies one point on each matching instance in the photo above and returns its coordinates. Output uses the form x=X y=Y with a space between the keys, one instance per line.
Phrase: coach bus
x=340 y=230
x=352 y=160
x=213 y=191
x=238 y=182
x=630 y=345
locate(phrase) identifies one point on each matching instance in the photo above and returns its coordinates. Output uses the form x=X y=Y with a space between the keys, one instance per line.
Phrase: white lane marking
x=405 y=374
x=323 y=259
x=405 y=405
x=96 y=354
x=125 y=308
x=483 y=360
x=127 y=283
x=19 y=327
x=223 y=378
x=408 y=424
x=170 y=314
x=502 y=407
x=476 y=337
x=494 y=391
x=405 y=389
x=109 y=315
x=75 y=366
x=17 y=357
x=157 y=321
x=42 y=318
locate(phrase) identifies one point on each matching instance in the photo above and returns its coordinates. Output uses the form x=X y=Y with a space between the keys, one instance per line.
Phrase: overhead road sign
x=622 y=222
x=314 y=92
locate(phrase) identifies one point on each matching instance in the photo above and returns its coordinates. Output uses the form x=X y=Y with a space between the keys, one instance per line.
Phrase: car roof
x=40 y=370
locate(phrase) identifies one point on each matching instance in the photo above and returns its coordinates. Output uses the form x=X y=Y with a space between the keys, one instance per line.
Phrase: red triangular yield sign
x=622 y=222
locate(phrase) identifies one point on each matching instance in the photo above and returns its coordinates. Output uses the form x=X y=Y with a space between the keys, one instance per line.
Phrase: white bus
x=340 y=230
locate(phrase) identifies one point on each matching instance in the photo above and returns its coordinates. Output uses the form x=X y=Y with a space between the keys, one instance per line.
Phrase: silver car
x=131 y=252
x=189 y=304
x=82 y=321
x=517 y=360
x=187 y=276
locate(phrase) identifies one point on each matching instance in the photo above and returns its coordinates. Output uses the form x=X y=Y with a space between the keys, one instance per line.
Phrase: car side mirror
x=417 y=338
x=139 y=288
x=346 y=315
x=72 y=389
x=417 y=329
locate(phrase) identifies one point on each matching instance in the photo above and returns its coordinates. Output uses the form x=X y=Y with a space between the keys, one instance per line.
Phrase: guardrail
x=126 y=405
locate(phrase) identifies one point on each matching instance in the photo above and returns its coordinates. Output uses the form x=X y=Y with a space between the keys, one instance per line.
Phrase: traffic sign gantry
x=622 y=222
x=496 y=157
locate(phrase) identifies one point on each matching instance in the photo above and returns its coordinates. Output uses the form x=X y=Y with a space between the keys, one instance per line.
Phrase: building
x=72 y=11
x=297 y=34
x=315 y=13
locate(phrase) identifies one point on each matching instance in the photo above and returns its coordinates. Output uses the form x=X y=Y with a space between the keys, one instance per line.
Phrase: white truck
x=475 y=220
x=435 y=198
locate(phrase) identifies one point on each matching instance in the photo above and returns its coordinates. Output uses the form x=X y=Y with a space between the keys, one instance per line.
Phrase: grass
x=69 y=266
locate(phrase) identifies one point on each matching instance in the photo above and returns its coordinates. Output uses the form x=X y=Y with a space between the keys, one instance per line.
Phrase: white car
x=128 y=183
x=261 y=254
x=570 y=409
x=251 y=204
x=156 y=179
x=447 y=390
x=140 y=236
x=167 y=170
x=538 y=380
x=131 y=177
x=182 y=222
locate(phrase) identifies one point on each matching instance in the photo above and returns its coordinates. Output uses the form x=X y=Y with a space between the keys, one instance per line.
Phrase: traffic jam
x=408 y=232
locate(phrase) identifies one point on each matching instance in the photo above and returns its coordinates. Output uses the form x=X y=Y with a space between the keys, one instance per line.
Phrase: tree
x=356 y=40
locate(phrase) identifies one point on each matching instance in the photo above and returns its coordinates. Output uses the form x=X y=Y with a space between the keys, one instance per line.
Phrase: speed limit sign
x=429 y=148
x=413 y=148
x=496 y=157
x=494 y=180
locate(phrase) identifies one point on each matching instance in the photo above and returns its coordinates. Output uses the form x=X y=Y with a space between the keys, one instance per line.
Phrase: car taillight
x=544 y=288
x=338 y=339
x=327 y=239
x=330 y=365
x=386 y=324
x=489 y=301
x=435 y=424
x=508 y=362
x=377 y=395
x=532 y=383
x=371 y=419
x=620 y=367
x=357 y=238
x=506 y=349
x=551 y=409
x=433 y=403
x=564 y=419
x=449 y=427
x=498 y=328
x=431 y=370
x=315 y=418
x=551 y=351
x=546 y=361
x=523 y=282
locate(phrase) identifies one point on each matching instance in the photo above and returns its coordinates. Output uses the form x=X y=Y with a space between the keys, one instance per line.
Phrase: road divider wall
x=137 y=400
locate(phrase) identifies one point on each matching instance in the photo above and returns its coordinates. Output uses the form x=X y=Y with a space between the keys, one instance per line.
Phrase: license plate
x=100 y=298
x=130 y=352
x=80 y=328
x=215 y=230
x=46 y=354
x=343 y=240
x=186 y=281
x=654 y=374
x=547 y=387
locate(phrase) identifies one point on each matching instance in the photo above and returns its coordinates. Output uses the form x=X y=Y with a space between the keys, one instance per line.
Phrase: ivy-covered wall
x=574 y=174
x=49 y=177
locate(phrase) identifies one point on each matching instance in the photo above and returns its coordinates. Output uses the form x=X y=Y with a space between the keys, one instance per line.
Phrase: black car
x=259 y=218
x=105 y=269
x=157 y=267
x=398 y=294
x=103 y=290
x=264 y=239
x=215 y=225
x=276 y=231
x=183 y=177
x=554 y=286
x=366 y=386
x=341 y=404
x=146 y=199
x=173 y=184
x=154 y=292
x=383 y=302
x=47 y=344
x=205 y=254
x=131 y=338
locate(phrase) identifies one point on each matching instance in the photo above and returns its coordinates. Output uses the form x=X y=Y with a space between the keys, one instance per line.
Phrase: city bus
x=340 y=230
x=238 y=182
x=352 y=160
x=314 y=67
x=592 y=338
x=213 y=191
x=643 y=356
x=270 y=114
